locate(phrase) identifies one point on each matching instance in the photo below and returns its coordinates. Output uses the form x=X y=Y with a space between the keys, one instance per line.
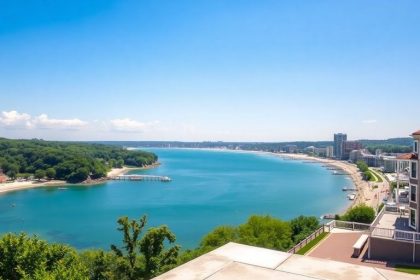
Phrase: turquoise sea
x=209 y=188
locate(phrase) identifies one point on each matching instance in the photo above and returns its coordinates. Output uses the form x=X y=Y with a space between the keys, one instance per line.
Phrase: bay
x=208 y=189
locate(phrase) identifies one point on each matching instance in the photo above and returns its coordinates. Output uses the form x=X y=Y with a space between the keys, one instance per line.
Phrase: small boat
x=351 y=196
x=328 y=217
x=62 y=188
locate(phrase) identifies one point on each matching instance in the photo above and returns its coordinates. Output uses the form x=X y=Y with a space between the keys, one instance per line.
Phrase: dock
x=142 y=178
x=349 y=189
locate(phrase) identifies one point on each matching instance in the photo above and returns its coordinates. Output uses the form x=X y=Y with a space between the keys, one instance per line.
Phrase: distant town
x=376 y=153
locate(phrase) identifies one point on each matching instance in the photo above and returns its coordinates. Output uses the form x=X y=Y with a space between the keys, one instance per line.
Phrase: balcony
x=394 y=224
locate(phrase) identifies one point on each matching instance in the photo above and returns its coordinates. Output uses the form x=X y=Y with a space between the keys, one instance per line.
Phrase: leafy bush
x=360 y=214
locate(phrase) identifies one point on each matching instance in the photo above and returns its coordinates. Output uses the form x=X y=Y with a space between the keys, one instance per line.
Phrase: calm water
x=209 y=188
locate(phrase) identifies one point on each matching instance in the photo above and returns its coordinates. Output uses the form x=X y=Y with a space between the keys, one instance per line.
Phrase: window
x=413 y=193
x=413 y=218
x=416 y=147
x=413 y=170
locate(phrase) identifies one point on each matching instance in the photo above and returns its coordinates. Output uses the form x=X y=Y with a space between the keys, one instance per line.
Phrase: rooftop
x=236 y=261
x=407 y=156
x=394 y=221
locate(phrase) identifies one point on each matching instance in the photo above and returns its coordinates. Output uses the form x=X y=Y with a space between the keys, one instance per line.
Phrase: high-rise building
x=329 y=152
x=339 y=139
x=349 y=146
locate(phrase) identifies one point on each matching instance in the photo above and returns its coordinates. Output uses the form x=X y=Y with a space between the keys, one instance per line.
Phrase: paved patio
x=236 y=261
x=394 y=221
x=338 y=247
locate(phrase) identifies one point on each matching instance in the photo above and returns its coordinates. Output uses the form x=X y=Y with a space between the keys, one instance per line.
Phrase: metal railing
x=352 y=225
x=395 y=234
x=305 y=241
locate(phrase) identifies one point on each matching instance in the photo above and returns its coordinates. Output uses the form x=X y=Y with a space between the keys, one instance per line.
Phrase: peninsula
x=33 y=163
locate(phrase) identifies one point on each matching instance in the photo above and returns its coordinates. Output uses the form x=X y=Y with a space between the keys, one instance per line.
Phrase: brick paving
x=339 y=247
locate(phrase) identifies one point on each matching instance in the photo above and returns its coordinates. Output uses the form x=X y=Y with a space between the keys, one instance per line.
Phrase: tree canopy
x=360 y=213
x=70 y=161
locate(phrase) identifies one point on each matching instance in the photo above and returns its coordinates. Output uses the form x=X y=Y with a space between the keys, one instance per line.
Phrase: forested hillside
x=73 y=162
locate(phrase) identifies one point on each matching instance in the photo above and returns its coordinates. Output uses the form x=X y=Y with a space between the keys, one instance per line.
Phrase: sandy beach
x=366 y=193
x=15 y=186
x=121 y=171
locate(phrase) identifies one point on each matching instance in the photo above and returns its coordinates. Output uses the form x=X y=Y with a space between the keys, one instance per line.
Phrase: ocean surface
x=208 y=189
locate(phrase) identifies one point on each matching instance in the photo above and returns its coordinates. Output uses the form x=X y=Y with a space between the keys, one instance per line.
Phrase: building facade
x=414 y=215
x=349 y=146
x=329 y=151
x=339 y=139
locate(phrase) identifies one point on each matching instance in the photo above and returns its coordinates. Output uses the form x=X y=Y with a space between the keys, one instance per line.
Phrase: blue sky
x=197 y=70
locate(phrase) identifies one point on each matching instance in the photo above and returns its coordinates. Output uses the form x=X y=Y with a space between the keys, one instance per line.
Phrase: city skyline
x=208 y=71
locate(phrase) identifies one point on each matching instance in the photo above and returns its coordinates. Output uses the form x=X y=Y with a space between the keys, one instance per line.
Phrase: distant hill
x=388 y=145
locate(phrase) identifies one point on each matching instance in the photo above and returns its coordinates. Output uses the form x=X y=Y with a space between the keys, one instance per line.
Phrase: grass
x=407 y=269
x=377 y=176
x=312 y=244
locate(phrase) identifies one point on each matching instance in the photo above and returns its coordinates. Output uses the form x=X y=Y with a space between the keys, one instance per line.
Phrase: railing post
x=352 y=225
x=414 y=248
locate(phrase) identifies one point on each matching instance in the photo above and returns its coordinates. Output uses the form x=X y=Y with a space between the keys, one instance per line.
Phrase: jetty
x=349 y=189
x=142 y=178
x=340 y=173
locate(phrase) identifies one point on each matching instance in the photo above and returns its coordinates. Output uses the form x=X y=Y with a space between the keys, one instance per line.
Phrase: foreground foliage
x=360 y=214
x=261 y=231
x=142 y=255
x=23 y=257
x=73 y=162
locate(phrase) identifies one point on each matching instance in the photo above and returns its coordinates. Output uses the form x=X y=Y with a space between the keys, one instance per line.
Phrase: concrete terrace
x=394 y=221
x=236 y=261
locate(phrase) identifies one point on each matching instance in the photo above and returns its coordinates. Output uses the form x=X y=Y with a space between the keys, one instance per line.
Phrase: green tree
x=146 y=257
x=219 y=237
x=12 y=170
x=155 y=256
x=50 y=172
x=101 y=265
x=302 y=227
x=119 y=163
x=23 y=257
x=267 y=232
x=80 y=175
x=39 y=174
x=131 y=231
x=367 y=175
x=363 y=167
x=360 y=213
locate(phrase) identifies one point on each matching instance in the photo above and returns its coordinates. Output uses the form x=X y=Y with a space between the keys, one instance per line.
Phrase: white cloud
x=369 y=121
x=15 y=119
x=43 y=121
x=130 y=125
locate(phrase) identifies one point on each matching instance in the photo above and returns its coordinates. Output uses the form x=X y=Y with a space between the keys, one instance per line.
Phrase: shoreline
x=366 y=194
x=17 y=186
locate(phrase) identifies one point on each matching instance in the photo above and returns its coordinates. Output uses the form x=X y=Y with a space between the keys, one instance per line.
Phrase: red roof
x=416 y=133
x=407 y=156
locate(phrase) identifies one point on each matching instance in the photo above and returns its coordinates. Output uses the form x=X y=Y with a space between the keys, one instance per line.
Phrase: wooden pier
x=142 y=178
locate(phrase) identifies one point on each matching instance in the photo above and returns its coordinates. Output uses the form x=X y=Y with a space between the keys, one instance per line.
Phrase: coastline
x=17 y=186
x=365 y=192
